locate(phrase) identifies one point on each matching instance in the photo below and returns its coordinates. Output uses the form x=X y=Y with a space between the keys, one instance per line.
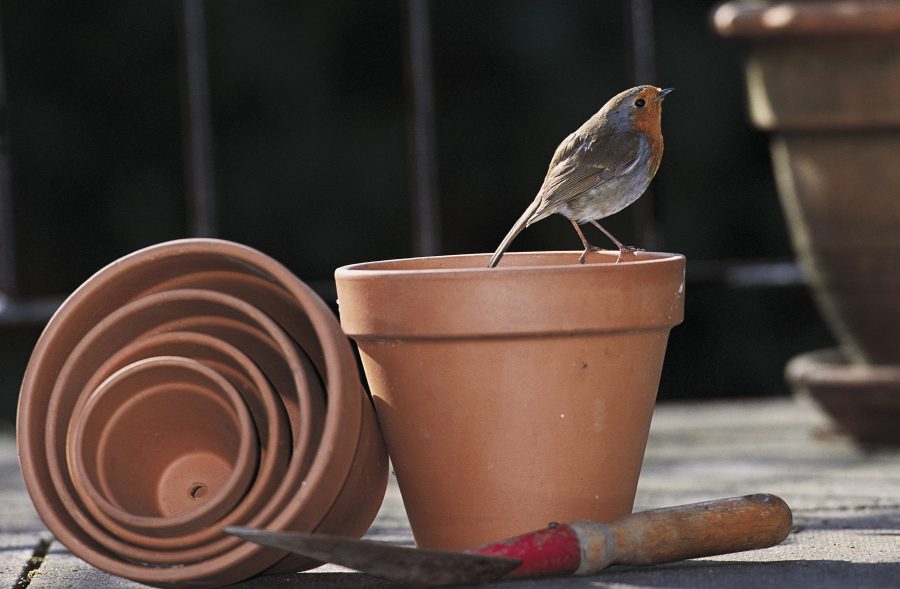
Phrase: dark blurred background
x=311 y=115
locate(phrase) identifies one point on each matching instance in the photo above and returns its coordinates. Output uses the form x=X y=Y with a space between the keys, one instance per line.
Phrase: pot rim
x=817 y=18
x=382 y=267
x=832 y=366
x=475 y=301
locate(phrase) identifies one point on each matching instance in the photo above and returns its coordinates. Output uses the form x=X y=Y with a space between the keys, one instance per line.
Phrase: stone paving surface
x=846 y=503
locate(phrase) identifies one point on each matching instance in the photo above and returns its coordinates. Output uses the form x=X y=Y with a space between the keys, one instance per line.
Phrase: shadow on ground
x=818 y=574
x=324 y=580
x=861 y=519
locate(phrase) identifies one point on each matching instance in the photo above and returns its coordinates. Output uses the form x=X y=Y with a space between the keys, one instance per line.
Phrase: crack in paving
x=33 y=565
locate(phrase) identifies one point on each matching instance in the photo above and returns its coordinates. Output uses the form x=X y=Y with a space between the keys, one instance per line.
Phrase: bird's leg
x=587 y=246
x=623 y=249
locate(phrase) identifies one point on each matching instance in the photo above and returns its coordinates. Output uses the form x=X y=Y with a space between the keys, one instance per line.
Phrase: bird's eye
x=639 y=103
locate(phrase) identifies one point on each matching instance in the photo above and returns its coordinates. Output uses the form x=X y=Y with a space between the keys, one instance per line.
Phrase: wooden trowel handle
x=650 y=537
x=700 y=529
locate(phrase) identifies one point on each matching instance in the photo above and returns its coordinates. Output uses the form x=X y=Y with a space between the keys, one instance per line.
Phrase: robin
x=601 y=168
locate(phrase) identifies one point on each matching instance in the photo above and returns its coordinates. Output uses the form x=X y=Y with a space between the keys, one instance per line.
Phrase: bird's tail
x=516 y=229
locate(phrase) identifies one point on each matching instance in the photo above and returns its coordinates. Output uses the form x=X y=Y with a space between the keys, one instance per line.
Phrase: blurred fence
x=330 y=133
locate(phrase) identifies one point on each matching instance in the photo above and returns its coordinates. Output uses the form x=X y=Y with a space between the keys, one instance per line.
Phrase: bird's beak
x=663 y=93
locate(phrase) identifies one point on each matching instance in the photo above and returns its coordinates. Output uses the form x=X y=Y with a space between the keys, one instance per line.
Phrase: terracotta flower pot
x=269 y=416
x=166 y=414
x=823 y=78
x=513 y=396
x=218 y=345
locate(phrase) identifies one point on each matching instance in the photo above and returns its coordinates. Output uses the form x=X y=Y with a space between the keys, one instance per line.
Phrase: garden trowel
x=582 y=548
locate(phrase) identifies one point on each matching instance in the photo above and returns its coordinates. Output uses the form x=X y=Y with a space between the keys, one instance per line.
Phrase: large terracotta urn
x=823 y=78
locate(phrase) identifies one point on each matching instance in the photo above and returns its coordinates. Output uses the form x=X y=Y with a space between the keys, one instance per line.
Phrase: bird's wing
x=580 y=164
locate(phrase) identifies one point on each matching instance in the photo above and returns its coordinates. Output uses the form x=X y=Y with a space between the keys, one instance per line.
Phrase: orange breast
x=647 y=122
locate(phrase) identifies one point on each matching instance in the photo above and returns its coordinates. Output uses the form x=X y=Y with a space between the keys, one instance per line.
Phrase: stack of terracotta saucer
x=188 y=386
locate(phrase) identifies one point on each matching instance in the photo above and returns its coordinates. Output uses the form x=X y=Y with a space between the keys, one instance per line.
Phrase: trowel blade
x=389 y=561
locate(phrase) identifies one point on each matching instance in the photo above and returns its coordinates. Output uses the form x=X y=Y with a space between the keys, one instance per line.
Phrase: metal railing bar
x=734 y=274
x=426 y=218
x=197 y=123
x=643 y=47
x=32 y=311
x=741 y=274
x=643 y=68
x=8 y=276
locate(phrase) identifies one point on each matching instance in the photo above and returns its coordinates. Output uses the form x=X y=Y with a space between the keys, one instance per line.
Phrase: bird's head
x=638 y=108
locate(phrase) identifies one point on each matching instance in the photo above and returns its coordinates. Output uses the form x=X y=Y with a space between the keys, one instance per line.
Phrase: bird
x=600 y=168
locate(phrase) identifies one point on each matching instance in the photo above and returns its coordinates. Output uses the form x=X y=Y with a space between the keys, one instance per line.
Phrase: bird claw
x=625 y=249
x=628 y=249
x=590 y=248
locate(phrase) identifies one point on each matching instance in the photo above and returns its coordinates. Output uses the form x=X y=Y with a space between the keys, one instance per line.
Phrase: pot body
x=824 y=79
x=514 y=396
x=841 y=195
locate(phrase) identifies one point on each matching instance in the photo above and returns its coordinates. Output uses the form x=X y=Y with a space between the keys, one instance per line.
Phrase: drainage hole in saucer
x=198 y=491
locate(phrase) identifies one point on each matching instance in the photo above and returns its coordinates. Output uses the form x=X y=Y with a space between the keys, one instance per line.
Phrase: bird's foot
x=627 y=249
x=588 y=248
